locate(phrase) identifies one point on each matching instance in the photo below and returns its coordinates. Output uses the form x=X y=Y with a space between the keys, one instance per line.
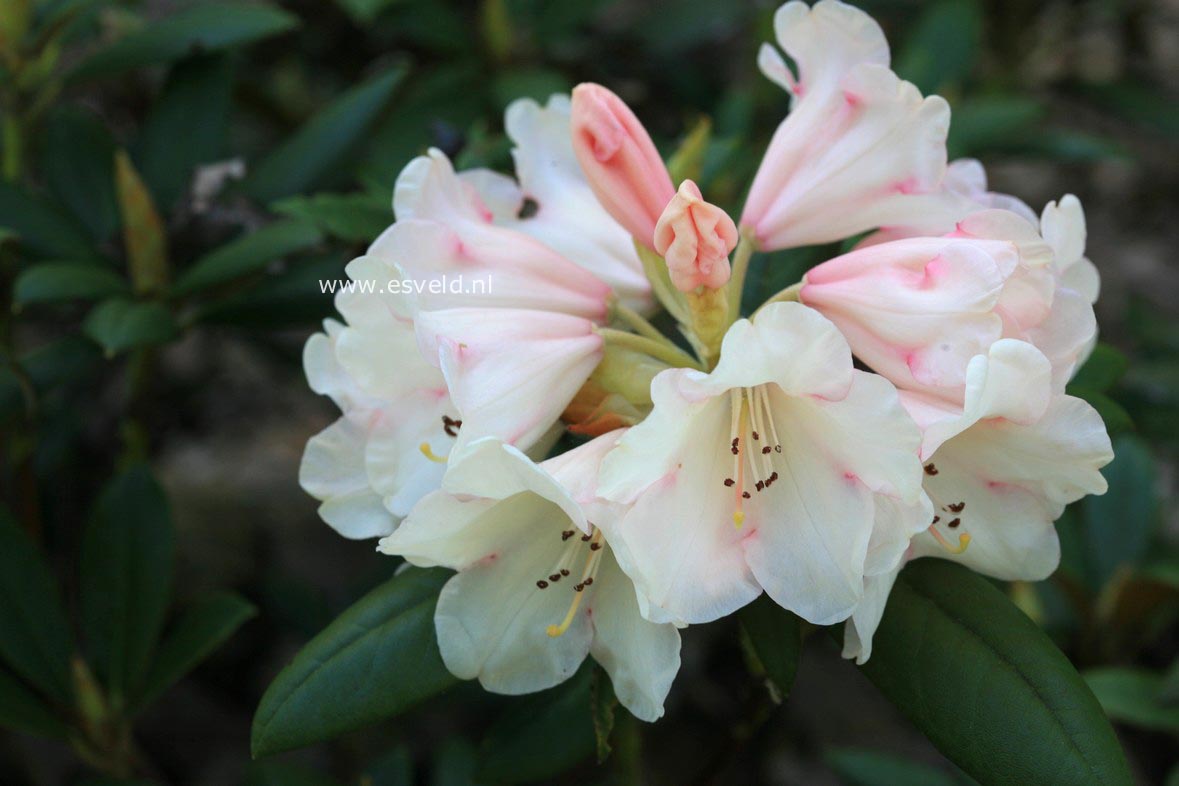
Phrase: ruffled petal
x=332 y=471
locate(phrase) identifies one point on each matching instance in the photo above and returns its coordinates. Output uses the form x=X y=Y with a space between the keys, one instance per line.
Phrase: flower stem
x=660 y=350
x=740 y=266
x=638 y=322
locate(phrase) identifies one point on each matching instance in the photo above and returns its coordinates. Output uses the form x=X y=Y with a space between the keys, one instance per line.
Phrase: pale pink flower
x=620 y=161
x=783 y=470
x=860 y=148
x=695 y=239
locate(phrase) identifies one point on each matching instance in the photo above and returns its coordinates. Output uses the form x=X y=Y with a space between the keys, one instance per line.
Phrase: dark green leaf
x=1119 y=524
x=454 y=764
x=295 y=297
x=317 y=149
x=775 y=638
x=77 y=160
x=24 y=711
x=118 y=325
x=395 y=768
x=53 y=282
x=356 y=218
x=1169 y=692
x=377 y=659
x=1072 y=146
x=204 y=626
x=193 y=106
x=1102 y=370
x=1137 y=102
x=273 y=773
x=963 y=664
x=535 y=83
x=991 y=122
x=943 y=46
x=858 y=767
x=365 y=11
x=43 y=229
x=249 y=253
x=1134 y=696
x=603 y=704
x=203 y=27
x=521 y=746
x=36 y=641
x=126 y=579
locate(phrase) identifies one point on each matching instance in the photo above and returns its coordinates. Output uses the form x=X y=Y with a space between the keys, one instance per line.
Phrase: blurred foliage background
x=178 y=176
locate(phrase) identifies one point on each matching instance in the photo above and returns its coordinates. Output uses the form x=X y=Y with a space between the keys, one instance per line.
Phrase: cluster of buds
x=740 y=455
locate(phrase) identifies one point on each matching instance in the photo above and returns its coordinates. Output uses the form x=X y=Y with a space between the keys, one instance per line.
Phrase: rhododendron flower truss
x=538 y=587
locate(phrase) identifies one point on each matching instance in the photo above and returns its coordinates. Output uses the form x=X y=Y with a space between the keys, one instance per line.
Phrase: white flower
x=769 y=473
x=999 y=469
x=538 y=587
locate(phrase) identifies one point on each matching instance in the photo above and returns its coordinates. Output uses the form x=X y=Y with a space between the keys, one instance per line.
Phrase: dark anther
x=930 y=469
x=957 y=507
x=567 y=534
x=777 y=448
x=729 y=482
x=773 y=476
x=555 y=577
x=595 y=546
x=528 y=208
x=542 y=584
x=451 y=426
x=589 y=581
x=756 y=435
x=585 y=538
x=564 y=572
x=766 y=449
x=578 y=587
x=744 y=495
x=936 y=519
x=953 y=524
x=761 y=484
x=736 y=450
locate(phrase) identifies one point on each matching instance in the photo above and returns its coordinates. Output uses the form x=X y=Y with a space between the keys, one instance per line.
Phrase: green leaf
x=603 y=704
x=77 y=162
x=1134 y=696
x=249 y=253
x=203 y=27
x=963 y=664
x=274 y=773
x=521 y=747
x=294 y=297
x=43 y=229
x=454 y=763
x=858 y=767
x=943 y=46
x=991 y=122
x=118 y=325
x=24 y=711
x=1118 y=525
x=194 y=106
x=203 y=627
x=377 y=659
x=356 y=218
x=1102 y=370
x=1117 y=420
x=365 y=11
x=53 y=282
x=535 y=83
x=317 y=149
x=36 y=641
x=775 y=638
x=395 y=768
x=126 y=579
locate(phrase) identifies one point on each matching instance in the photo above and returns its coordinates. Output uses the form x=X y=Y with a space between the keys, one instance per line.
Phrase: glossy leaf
x=24 y=711
x=991 y=122
x=43 y=229
x=942 y=48
x=118 y=325
x=377 y=659
x=521 y=746
x=53 y=282
x=963 y=664
x=250 y=253
x=858 y=767
x=144 y=238
x=1118 y=525
x=193 y=105
x=126 y=579
x=316 y=150
x=774 y=636
x=77 y=162
x=202 y=27
x=36 y=641
x=1134 y=696
x=202 y=628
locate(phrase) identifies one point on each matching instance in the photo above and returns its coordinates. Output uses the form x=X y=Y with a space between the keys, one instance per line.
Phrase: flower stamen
x=593 y=560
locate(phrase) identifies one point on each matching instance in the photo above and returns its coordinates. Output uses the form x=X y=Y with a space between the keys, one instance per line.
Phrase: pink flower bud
x=620 y=160
x=695 y=238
